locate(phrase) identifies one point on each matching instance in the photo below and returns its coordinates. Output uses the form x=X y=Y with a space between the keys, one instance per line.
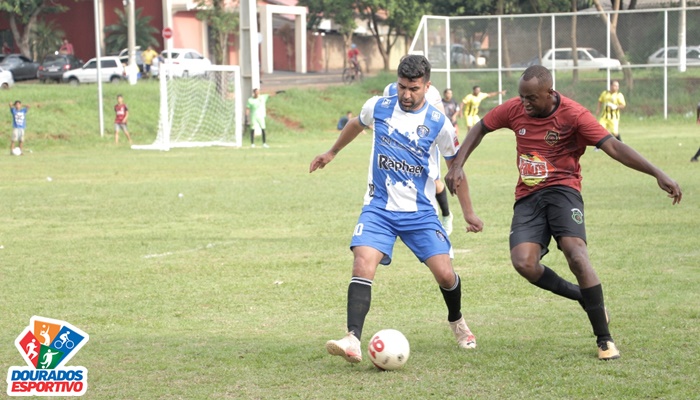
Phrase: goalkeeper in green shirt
x=255 y=114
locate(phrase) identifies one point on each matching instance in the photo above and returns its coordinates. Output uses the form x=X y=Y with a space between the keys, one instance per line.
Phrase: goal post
x=199 y=110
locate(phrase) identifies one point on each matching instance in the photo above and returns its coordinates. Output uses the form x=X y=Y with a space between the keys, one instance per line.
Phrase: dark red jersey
x=120 y=111
x=548 y=148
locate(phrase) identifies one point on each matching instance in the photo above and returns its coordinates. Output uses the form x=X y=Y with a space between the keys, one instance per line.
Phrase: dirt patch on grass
x=289 y=123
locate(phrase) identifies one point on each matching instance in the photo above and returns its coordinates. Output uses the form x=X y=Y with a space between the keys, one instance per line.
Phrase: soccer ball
x=389 y=350
x=17 y=151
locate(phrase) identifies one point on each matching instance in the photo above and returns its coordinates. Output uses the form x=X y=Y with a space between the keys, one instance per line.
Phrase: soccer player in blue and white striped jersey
x=400 y=199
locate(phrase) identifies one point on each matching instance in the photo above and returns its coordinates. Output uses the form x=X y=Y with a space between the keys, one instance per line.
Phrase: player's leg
x=566 y=220
x=126 y=132
x=442 y=199
x=116 y=133
x=13 y=139
x=429 y=242
x=253 y=126
x=264 y=137
x=372 y=243
x=695 y=157
x=615 y=128
x=21 y=142
x=529 y=241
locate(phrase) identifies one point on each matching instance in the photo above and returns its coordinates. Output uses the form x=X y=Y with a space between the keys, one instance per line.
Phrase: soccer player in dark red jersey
x=552 y=133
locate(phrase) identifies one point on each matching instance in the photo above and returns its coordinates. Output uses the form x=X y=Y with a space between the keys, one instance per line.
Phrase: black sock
x=558 y=285
x=443 y=202
x=263 y=136
x=359 y=299
x=697 y=154
x=453 y=300
x=595 y=308
x=252 y=136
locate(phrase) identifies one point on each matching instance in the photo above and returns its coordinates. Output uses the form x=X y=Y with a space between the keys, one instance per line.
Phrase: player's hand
x=455 y=176
x=671 y=187
x=321 y=160
x=474 y=223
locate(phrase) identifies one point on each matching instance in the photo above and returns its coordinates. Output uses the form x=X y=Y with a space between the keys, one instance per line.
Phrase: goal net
x=199 y=110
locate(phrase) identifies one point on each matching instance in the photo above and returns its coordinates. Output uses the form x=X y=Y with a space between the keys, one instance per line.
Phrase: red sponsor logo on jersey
x=534 y=168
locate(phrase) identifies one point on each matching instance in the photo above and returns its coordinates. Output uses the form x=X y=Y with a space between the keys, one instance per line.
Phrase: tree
x=222 y=22
x=614 y=40
x=23 y=16
x=339 y=12
x=117 y=35
x=45 y=38
x=389 y=19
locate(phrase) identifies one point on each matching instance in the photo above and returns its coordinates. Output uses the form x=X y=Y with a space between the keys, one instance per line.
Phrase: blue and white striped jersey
x=403 y=165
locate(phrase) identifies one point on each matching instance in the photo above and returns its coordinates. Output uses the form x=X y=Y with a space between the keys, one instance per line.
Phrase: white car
x=111 y=68
x=692 y=56
x=588 y=58
x=6 y=80
x=185 y=62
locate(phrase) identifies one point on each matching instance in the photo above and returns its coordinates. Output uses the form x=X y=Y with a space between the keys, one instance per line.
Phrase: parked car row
x=692 y=55
x=6 y=80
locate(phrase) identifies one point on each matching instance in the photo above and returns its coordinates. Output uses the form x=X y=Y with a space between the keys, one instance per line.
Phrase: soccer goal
x=199 y=111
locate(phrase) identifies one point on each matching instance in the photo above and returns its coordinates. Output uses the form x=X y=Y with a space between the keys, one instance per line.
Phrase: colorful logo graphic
x=46 y=345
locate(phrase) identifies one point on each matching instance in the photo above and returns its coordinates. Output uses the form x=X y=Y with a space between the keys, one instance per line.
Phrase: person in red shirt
x=66 y=47
x=353 y=54
x=552 y=133
x=121 y=119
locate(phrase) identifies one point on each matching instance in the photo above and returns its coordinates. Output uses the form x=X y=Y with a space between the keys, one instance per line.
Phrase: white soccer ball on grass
x=17 y=151
x=389 y=350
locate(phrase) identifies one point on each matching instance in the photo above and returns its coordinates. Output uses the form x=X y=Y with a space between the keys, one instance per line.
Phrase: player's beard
x=411 y=105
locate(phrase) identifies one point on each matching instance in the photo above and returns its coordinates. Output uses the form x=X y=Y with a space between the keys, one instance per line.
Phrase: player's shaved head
x=544 y=77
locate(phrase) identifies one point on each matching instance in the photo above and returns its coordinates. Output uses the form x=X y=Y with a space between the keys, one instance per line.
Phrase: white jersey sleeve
x=367 y=114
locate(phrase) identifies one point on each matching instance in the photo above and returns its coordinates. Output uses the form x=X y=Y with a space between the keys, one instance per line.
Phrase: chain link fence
x=584 y=50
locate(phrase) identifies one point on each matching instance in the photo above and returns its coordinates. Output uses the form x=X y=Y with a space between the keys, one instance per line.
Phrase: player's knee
x=525 y=266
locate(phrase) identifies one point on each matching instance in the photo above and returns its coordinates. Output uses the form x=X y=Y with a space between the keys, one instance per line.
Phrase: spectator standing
x=19 y=123
x=551 y=134
x=471 y=102
x=697 y=121
x=451 y=108
x=121 y=119
x=611 y=101
x=6 y=49
x=147 y=57
x=255 y=113
x=66 y=47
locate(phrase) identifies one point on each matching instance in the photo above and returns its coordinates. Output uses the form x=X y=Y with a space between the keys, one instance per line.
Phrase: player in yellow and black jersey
x=611 y=101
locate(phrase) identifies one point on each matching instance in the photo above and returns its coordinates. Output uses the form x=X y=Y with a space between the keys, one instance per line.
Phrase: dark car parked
x=54 y=65
x=21 y=67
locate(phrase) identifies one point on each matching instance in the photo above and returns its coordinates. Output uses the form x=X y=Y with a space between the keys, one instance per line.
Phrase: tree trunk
x=615 y=41
x=574 y=45
x=22 y=38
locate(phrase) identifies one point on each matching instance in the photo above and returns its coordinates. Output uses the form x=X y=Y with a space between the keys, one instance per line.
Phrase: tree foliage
x=46 y=38
x=23 y=16
x=222 y=22
x=117 y=35
x=389 y=19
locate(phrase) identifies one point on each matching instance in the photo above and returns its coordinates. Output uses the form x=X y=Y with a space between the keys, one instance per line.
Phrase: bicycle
x=351 y=74
x=69 y=343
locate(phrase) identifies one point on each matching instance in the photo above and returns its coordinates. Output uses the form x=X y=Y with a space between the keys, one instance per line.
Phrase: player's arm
x=474 y=223
x=630 y=158
x=455 y=174
x=491 y=94
x=347 y=135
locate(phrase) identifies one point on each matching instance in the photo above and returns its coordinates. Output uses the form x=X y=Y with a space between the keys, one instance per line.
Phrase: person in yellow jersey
x=471 y=102
x=611 y=102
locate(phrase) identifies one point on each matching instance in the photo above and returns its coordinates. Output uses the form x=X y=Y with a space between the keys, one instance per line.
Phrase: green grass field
x=232 y=290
